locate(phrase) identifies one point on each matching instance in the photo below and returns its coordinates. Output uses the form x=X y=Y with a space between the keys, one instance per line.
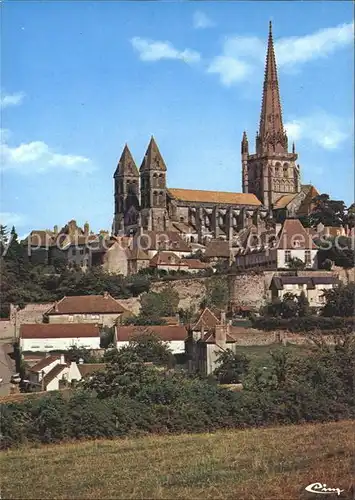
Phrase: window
x=285 y=171
x=74 y=251
x=287 y=256
x=307 y=256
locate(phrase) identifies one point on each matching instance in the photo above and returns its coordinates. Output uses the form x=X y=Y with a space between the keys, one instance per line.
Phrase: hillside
x=252 y=464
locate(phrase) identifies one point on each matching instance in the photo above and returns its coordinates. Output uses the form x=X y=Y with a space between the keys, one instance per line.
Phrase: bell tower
x=153 y=189
x=271 y=172
x=126 y=180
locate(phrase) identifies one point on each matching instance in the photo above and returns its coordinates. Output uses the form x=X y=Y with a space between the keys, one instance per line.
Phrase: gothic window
x=155 y=180
x=277 y=169
x=161 y=198
x=161 y=180
x=285 y=171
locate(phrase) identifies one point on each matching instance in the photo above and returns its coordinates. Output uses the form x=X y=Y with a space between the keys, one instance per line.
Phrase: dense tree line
x=131 y=396
x=23 y=282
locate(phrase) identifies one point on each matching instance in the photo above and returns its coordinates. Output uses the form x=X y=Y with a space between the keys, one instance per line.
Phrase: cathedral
x=272 y=186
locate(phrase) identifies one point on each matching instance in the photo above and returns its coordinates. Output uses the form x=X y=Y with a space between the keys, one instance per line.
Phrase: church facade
x=270 y=176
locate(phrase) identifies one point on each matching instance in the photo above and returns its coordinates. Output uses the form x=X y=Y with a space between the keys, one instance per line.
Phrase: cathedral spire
x=153 y=159
x=126 y=164
x=271 y=132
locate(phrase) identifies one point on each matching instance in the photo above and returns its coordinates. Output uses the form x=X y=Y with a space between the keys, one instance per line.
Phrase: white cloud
x=297 y=50
x=230 y=70
x=202 y=21
x=322 y=129
x=7 y=100
x=39 y=157
x=10 y=219
x=150 y=50
x=291 y=52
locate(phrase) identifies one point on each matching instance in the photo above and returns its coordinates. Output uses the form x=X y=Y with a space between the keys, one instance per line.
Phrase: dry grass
x=275 y=463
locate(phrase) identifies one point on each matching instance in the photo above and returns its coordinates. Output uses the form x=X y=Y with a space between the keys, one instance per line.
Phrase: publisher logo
x=322 y=488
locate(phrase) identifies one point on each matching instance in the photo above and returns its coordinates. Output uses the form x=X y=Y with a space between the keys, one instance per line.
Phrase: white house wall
x=296 y=253
x=59 y=344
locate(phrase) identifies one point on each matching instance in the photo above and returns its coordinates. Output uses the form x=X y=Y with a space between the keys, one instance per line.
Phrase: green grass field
x=260 y=354
x=275 y=463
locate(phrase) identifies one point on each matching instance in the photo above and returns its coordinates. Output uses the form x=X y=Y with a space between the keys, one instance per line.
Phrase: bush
x=130 y=398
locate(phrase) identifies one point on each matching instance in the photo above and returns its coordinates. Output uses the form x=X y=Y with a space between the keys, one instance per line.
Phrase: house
x=137 y=259
x=39 y=370
x=152 y=242
x=219 y=250
x=58 y=337
x=206 y=323
x=204 y=351
x=53 y=372
x=313 y=287
x=195 y=265
x=98 y=309
x=277 y=249
x=167 y=261
x=174 y=335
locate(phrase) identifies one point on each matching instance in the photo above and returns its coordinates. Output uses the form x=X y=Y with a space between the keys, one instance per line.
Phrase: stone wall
x=6 y=329
x=191 y=291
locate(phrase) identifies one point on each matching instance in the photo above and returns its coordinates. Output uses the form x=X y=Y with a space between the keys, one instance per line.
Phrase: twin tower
x=142 y=197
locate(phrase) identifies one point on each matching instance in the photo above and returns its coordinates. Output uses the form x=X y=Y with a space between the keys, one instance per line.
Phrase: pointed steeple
x=271 y=132
x=245 y=145
x=126 y=164
x=153 y=159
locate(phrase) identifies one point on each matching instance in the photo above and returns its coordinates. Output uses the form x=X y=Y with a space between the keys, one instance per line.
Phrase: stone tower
x=272 y=171
x=126 y=179
x=153 y=189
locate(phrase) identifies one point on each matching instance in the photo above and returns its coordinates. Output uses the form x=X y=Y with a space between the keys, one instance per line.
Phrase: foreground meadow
x=275 y=463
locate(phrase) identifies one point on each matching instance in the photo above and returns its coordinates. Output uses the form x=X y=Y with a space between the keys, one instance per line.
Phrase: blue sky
x=79 y=79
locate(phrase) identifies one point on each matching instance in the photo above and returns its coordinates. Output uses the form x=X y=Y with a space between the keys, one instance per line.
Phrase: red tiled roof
x=165 y=332
x=220 y=197
x=207 y=320
x=58 y=330
x=218 y=248
x=87 y=304
x=195 y=264
x=294 y=235
x=165 y=259
x=38 y=367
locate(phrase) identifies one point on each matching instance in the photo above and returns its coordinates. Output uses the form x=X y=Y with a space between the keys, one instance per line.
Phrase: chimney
x=55 y=230
x=62 y=359
x=56 y=306
x=105 y=295
x=223 y=318
x=221 y=336
x=86 y=229
x=177 y=316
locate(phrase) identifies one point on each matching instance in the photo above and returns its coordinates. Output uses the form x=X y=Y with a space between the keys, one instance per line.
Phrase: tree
x=76 y=354
x=350 y=216
x=217 y=294
x=328 y=212
x=164 y=303
x=3 y=239
x=303 y=305
x=232 y=367
x=296 y=263
x=340 y=301
x=336 y=249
